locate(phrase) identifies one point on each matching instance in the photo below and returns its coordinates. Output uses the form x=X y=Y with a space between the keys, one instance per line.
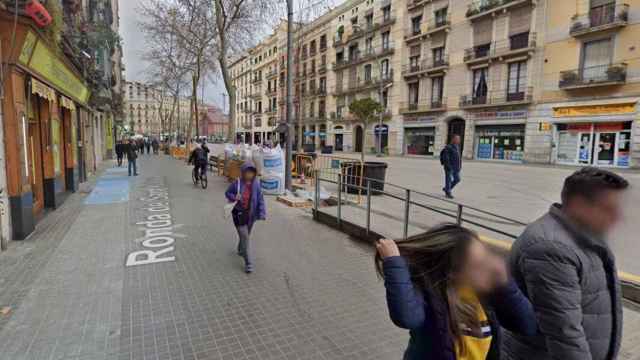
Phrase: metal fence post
x=407 y=205
x=459 y=215
x=316 y=200
x=339 y=199
x=368 y=206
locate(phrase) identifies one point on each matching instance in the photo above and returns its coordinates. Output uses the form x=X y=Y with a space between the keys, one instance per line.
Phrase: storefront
x=598 y=135
x=42 y=95
x=601 y=144
x=500 y=142
x=420 y=135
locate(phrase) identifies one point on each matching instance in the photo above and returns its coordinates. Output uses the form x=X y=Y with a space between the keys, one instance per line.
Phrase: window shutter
x=520 y=20
x=597 y=3
x=414 y=51
x=482 y=32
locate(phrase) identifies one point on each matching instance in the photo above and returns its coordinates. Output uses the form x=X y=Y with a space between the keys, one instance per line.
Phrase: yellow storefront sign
x=109 y=134
x=36 y=56
x=591 y=110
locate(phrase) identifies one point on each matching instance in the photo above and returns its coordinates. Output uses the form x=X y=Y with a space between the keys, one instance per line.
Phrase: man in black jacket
x=564 y=265
x=451 y=160
x=119 y=152
x=132 y=155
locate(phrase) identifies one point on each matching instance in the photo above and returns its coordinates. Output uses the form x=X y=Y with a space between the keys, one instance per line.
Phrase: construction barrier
x=347 y=170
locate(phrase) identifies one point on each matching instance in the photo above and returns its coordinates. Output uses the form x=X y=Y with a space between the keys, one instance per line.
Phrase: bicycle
x=199 y=176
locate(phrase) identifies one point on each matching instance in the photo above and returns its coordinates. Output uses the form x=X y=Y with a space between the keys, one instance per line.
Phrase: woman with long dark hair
x=453 y=294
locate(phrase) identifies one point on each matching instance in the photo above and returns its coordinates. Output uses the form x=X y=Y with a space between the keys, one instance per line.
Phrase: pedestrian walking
x=564 y=265
x=249 y=208
x=451 y=160
x=147 y=145
x=132 y=155
x=119 y=152
x=453 y=294
x=155 y=145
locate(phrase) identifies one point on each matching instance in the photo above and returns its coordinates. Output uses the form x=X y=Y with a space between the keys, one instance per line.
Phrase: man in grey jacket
x=565 y=267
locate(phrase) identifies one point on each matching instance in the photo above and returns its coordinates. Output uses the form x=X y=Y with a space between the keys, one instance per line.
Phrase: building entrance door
x=456 y=127
x=339 y=141
x=35 y=168
x=359 y=134
x=605 y=150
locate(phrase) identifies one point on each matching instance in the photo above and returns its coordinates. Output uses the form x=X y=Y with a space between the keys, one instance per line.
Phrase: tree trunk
x=224 y=68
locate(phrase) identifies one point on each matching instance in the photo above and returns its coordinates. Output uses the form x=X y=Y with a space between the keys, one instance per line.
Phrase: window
x=369 y=20
x=386 y=69
x=437 y=91
x=354 y=20
x=367 y=73
x=596 y=58
x=312 y=47
x=415 y=25
x=441 y=17
x=413 y=94
x=438 y=56
x=480 y=87
x=385 y=98
x=517 y=81
x=386 y=13
x=386 y=43
x=368 y=45
x=323 y=85
x=414 y=63
x=323 y=42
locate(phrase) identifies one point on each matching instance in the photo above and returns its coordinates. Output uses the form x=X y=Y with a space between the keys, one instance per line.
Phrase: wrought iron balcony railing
x=425 y=106
x=612 y=74
x=600 y=18
x=497 y=98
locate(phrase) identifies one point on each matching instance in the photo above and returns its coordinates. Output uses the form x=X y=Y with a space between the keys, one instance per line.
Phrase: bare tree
x=183 y=34
x=237 y=22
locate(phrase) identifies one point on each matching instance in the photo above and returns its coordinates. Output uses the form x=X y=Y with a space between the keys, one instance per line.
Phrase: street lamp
x=382 y=112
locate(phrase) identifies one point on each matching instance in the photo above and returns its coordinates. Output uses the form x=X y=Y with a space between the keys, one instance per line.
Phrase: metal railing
x=365 y=55
x=594 y=76
x=601 y=17
x=495 y=98
x=358 y=84
x=433 y=105
x=409 y=199
x=479 y=7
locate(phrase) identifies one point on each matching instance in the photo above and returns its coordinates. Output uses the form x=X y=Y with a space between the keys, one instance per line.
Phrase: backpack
x=443 y=156
x=201 y=155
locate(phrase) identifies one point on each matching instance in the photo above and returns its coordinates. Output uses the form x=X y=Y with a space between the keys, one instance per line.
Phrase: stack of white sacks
x=268 y=162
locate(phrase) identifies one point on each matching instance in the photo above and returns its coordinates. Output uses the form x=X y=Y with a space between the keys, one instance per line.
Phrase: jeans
x=244 y=248
x=451 y=179
x=132 y=164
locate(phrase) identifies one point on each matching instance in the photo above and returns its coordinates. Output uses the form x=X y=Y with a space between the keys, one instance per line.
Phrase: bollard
x=316 y=201
x=459 y=215
x=368 y=207
x=339 y=199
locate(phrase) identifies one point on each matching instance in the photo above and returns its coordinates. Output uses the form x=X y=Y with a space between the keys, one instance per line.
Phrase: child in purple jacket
x=249 y=208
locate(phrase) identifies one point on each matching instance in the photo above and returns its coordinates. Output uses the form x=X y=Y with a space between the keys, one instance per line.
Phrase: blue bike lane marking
x=111 y=188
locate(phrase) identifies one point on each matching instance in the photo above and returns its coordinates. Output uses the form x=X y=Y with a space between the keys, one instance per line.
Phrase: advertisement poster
x=55 y=145
x=623 y=159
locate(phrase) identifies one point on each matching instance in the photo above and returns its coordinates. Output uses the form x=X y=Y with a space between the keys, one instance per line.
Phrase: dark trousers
x=451 y=179
x=119 y=157
x=132 y=165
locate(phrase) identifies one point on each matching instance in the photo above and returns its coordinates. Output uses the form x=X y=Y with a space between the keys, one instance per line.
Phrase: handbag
x=228 y=208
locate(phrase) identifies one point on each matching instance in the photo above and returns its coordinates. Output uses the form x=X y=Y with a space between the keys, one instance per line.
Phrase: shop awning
x=42 y=90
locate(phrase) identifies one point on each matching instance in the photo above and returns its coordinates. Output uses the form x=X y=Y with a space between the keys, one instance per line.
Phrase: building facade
x=518 y=80
x=214 y=124
x=57 y=110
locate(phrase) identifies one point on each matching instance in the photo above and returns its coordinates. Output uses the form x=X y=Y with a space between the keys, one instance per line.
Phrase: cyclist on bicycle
x=199 y=158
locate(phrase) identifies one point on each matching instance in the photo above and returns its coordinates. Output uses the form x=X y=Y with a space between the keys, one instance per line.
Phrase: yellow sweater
x=477 y=345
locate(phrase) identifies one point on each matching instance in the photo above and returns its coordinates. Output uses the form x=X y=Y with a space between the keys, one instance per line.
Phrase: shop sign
x=544 y=126
x=485 y=115
x=36 y=56
x=67 y=103
x=591 y=110
x=421 y=120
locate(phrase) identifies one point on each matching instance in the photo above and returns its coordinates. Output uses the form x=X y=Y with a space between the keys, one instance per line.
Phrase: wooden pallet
x=295 y=202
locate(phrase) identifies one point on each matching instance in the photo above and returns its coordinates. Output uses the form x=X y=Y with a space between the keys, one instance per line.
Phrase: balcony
x=255 y=95
x=515 y=45
x=602 y=18
x=480 y=8
x=429 y=66
x=272 y=122
x=362 y=84
x=256 y=80
x=323 y=47
x=246 y=125
x=415 y=4
x=603 y=75
x=257 y=122
x=423 y=107
x=271 y=112
x=367 y=55
x=413 y=34
x=437 y=25
x=360 y=31
x=272 y=74
x=322 y=68
x=496 y=99
x=271 y=92
x=322 y=91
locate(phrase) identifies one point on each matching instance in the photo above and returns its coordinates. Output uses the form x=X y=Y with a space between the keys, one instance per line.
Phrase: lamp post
x=382 y=112
x=289 y=156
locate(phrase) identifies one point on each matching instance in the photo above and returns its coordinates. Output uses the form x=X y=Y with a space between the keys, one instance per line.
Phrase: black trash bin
x=374 y=172
x=308 y=148
x=327 y=149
